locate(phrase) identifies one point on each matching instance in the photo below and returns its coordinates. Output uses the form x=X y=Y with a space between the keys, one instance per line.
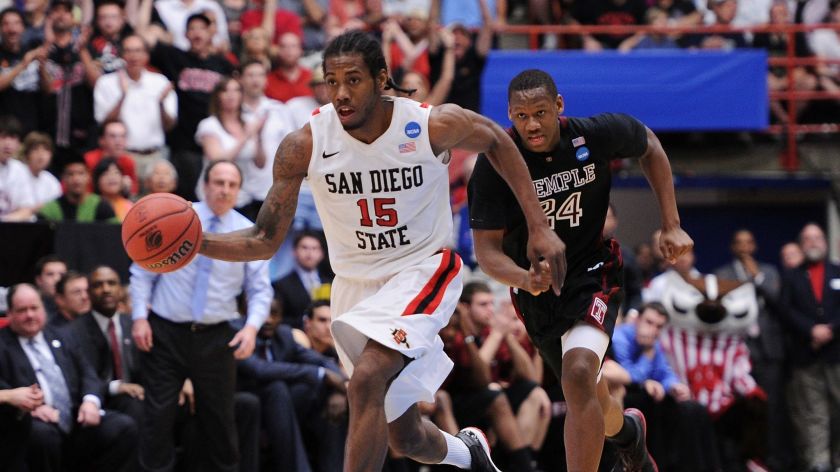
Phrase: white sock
x=457 y=452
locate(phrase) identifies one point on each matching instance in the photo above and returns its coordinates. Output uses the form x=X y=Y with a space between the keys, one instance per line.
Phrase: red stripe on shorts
x=427 y=301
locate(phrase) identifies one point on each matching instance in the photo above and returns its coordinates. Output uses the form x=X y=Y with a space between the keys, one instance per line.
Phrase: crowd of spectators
x=103 y=102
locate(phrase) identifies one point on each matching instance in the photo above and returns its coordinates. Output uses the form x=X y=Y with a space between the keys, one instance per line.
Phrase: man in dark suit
x=810 y=303
x=295 y=289
x=293 y=382
x=766 y=342
x=71 y=298
x=70 y=426
x=105 y=338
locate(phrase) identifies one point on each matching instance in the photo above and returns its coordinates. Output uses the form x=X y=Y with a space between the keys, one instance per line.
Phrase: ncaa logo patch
x=598 y=311
x=412 y=129
x=582 y=153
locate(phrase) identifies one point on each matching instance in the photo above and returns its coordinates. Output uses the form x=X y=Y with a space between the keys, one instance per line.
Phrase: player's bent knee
x=580 y=371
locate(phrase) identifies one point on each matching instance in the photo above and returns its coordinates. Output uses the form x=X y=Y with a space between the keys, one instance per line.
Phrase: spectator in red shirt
x=289 y=79
x=112 y=144
x=284 y=21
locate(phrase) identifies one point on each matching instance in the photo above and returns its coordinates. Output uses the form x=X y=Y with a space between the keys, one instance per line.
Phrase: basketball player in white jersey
x=377 y=167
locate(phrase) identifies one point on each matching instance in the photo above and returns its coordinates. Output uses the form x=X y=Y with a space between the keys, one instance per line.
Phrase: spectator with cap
x=144 y=101
x=16 y=202
x=112 y=139
x=19 y=59
x=173 y=15
x=37 y=152
x=77 y=203
x=195 y=73
x=70 y=430
x=288 y=79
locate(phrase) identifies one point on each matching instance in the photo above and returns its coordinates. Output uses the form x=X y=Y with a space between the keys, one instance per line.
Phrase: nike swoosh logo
x=325 y=155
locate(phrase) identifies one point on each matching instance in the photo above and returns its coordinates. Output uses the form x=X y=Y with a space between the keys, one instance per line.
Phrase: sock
x=626 y=435
x=520 y=460
x=457 y=452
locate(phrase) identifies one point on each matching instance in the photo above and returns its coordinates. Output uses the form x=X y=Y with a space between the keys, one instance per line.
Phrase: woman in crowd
x=226 y=135
x=37 y=152
x=109 y=183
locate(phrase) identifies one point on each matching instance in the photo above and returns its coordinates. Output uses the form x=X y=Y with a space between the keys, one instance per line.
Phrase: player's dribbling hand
x=141 y=332
x=545 y=245
x=539 y=282
x=674 y=242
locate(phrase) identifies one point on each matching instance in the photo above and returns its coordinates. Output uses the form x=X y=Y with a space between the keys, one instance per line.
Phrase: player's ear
x=510 y=114
x=559 y=104
x=381 y=79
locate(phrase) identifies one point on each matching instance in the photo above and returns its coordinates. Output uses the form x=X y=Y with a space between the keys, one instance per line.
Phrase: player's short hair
x=532 y=79
x=657 y=307
x=314 y=306
x=366 y=45
x=41 y=263
x=471 y=289
x=65 y=279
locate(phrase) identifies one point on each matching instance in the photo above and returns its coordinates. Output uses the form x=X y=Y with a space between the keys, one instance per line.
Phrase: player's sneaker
x=479 y=449
x=635 y=457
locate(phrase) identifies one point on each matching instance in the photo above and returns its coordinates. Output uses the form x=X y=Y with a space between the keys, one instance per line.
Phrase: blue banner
x=669 y=90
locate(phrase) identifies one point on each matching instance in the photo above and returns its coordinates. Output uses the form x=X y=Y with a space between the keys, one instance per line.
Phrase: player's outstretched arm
x=450 y=126
x=674 y=241
x=262 y=240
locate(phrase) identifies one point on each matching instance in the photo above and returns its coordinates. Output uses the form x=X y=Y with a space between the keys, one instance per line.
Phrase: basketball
x=161 y=232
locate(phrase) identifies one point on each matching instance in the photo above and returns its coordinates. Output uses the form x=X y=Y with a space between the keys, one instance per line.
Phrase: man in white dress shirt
x=279 y=123
x=145 y=101
x=181 y=328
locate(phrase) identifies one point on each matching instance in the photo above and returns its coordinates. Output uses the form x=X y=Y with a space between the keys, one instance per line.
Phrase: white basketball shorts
x=403 y=313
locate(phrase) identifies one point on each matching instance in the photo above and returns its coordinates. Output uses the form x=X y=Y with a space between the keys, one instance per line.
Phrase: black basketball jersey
x=572 y=183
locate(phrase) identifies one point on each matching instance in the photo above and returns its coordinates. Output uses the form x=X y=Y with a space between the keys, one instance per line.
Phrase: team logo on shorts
x=582 y=153
x=598 y=310
x=412 y=129
x=400 y=337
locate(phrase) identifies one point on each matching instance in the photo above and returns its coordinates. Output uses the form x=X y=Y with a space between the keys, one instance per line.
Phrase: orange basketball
x=161 y=232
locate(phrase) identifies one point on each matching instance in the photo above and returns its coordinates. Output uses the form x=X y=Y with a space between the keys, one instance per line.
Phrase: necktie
x=202 y=277
x=57 y=386
x=115 y=349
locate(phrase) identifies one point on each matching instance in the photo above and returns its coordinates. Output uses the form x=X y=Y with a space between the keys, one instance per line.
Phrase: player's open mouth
x=345 y=112
x=536 y=140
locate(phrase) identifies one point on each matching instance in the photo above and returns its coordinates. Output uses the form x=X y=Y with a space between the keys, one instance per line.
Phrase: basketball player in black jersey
x=569 y=161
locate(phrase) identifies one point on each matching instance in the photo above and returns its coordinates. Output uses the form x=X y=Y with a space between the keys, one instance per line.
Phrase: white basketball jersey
x=384 y=205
